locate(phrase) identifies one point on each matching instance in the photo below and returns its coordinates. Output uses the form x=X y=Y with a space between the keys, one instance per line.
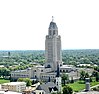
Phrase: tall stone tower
x=53 y=47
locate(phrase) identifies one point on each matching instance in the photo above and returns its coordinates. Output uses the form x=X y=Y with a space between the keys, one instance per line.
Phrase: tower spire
x=58 y=70
x=52 y=18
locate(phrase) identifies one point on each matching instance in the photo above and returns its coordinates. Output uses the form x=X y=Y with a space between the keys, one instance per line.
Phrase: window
x=35 y=76
x=63 y=70
x=57 y=83
x=66 y=70
x=48 y=66
x=50 y=32
x=53 y=32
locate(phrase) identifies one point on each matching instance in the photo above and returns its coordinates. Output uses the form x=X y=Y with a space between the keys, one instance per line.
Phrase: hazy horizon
x=44 y=50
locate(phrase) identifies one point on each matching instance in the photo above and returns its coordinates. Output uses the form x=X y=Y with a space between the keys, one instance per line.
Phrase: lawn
x=3 y=81
x=94 y=83
x=78 y=86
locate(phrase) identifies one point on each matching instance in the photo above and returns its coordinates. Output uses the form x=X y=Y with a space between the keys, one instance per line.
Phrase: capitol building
x=53 y=58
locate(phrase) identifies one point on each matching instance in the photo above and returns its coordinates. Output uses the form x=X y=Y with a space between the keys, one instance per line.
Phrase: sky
x=24 y=23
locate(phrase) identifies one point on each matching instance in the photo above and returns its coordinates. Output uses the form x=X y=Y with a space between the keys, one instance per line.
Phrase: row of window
x=35 y=70
x=63 y=70
x=48 y=77
x=19 y=75
x=39 y=93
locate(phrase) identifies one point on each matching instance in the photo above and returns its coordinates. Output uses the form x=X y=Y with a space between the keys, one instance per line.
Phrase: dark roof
x=47 y=87
x=39 y=88
x=52 y=25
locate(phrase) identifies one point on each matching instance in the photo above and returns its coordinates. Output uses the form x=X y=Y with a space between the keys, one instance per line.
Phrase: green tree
x=53 y=93
x=86 y=75
x=94 y=73
x=27 y=80
x=4 y=72
x=82 y=75
x=20 y=79
x=56 y=93
x=90 y=79
x=96 y=68
x=72 y=80
x=67 y=90
x=59 y=93
x=97 y=76
x=65 y=78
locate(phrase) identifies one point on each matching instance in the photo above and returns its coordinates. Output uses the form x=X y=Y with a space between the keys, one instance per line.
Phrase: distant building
x=33 y=90
x=84 y=65
x=2 y=66
x=14 y=86
x=53 y=56
x=21 y=74
x=47 y=87
x=67 y=68
x=50 y=87
x=37 y=72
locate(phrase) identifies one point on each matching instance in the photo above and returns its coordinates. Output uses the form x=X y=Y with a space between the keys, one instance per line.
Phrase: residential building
x=14 y=86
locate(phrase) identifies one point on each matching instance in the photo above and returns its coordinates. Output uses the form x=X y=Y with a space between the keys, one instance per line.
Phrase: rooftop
x=46 y=87
x=9 y=92
x=66 y=66
x=40 y=66
x=14 y=83
x=52 y=25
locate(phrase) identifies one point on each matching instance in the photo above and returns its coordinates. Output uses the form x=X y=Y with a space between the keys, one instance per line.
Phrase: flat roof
x=66 y=66
x=39 y=66
x=9 y=92
x=14 y=83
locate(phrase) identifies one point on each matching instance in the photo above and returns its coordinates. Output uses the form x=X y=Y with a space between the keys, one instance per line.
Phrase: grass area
x=94 y=83
x=79 y=85
x=3 y=81
x=76 y=86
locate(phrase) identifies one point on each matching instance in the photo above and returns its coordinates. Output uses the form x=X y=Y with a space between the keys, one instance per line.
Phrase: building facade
x=14 y=86
x=53 y=47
